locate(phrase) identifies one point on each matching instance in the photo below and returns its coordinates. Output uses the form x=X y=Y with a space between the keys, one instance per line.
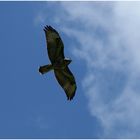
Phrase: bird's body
x=59 y=63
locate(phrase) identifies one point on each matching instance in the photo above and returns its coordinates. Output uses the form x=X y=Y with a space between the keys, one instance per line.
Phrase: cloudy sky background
x=102 y=39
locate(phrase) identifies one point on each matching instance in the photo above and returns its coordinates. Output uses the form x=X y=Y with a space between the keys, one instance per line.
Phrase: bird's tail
x=46 y=68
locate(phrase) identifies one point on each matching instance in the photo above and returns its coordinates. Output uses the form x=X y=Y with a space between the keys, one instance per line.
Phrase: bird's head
x=67 y=61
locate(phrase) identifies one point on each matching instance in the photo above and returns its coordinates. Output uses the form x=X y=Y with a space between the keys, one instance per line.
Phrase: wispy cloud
x=40 y=18
x=109 y=42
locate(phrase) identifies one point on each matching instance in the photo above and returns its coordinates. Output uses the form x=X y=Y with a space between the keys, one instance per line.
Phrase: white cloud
x=109 y=42
x=110 y=45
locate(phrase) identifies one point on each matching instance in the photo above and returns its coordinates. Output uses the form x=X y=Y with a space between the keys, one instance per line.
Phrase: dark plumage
x=59 y=63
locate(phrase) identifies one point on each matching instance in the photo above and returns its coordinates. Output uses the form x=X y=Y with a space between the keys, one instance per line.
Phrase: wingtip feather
x=46 y=28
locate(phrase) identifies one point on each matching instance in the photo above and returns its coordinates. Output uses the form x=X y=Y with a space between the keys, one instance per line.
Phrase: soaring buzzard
x=59 y=63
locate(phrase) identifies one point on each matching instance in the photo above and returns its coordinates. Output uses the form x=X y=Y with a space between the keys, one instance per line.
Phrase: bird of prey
x=59 y=63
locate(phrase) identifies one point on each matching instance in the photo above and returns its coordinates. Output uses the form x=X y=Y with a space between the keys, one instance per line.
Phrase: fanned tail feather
x=46 y=68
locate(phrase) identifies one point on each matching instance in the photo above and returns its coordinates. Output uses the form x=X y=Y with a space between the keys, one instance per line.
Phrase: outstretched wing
x=67 y=81
x=55 y=45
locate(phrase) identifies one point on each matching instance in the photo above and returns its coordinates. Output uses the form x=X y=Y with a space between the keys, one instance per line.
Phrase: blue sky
x=102 y=39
